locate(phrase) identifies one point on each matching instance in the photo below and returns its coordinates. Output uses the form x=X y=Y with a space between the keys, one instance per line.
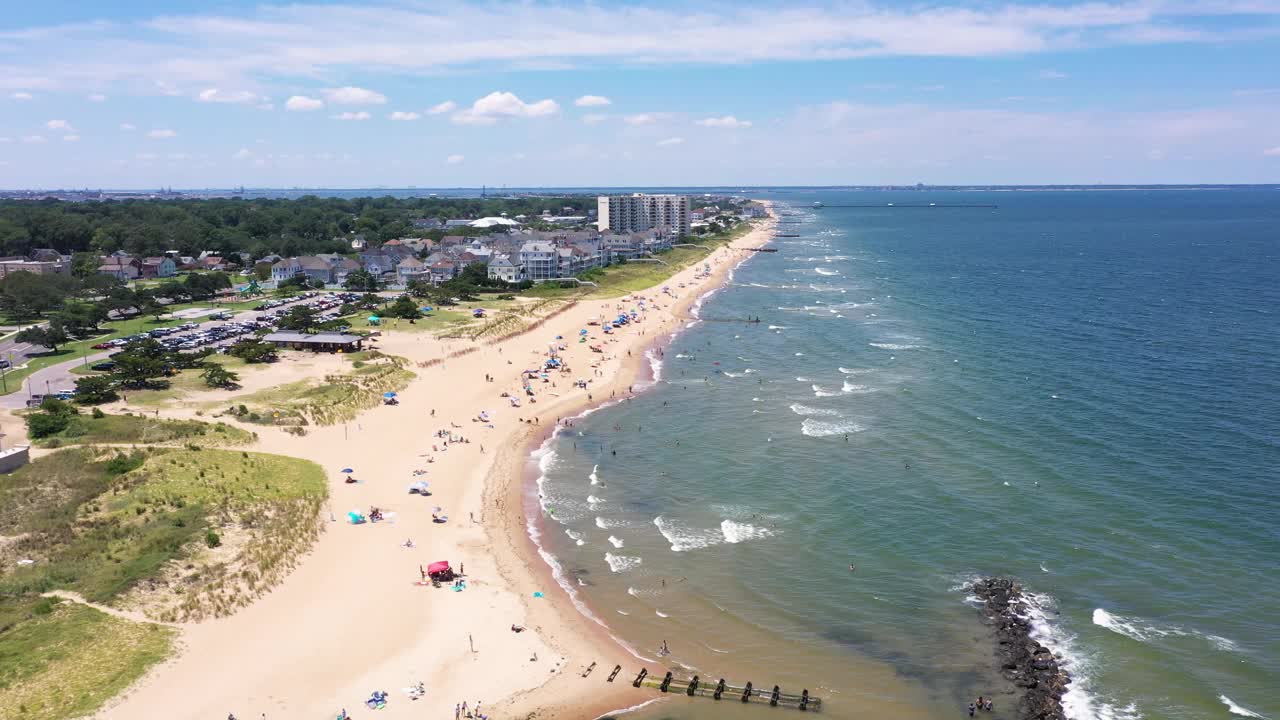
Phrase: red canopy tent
x=438 y=567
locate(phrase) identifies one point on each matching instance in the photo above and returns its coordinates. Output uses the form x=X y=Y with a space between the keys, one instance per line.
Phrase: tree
x=300 y=318
x=420 y=288
x=140 y=364
x=50 y=336
x=361 y=281
x=217 y=376
x=80 y=318
x=85 y=264
x=52 y=418
x=27 y=295
x=403 y=307
x=253 y=351
x=95 y=390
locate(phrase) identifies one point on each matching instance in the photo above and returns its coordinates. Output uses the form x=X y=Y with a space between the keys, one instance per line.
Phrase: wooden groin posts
x=694 y=687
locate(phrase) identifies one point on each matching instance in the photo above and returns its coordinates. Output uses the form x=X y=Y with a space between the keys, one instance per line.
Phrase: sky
x=400 y=93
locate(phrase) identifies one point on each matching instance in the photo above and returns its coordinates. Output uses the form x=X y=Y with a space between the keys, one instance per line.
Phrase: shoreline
x=350 y=618
x=522 y=472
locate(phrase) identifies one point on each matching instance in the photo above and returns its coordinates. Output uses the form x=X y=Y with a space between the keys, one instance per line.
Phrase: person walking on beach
x=970 y=709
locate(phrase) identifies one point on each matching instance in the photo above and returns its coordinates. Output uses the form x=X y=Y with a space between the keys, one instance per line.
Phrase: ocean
x=1080 y=390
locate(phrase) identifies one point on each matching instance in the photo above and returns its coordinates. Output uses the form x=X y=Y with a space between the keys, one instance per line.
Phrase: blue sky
x=395 y=93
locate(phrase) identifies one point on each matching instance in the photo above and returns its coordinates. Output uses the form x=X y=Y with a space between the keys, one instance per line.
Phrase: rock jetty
x=1029 y=665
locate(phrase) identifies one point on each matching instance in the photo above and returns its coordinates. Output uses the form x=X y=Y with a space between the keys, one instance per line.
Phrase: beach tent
x=418 y=487
x=438 y=566
x=374 y=319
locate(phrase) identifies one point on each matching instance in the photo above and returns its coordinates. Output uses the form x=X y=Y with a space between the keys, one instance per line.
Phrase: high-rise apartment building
x=640 y=212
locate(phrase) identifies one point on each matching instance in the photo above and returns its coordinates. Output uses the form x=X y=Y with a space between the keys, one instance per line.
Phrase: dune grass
x=124 y=429
x=333 y=399
x=104 y=524
x=63 y=660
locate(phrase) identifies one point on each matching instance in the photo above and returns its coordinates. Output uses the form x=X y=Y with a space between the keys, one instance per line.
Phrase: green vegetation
x=304 y=226
x=98 y=429
x=106 y=524
x=61 y=660
x=329 y=400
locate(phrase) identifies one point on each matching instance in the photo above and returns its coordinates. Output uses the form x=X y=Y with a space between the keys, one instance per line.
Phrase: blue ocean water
x=1078 y=389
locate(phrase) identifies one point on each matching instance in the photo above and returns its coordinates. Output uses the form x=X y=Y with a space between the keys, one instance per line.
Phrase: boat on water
x=817 y=204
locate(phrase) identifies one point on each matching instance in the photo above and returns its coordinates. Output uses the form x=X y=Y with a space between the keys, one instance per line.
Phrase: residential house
x=411 y=268
x=502 y=268
x=60 y=262
x=158 y=267
x=317 y=269
x=456 y=223
x=539 y=260
x=427 y=224
x=443 y=271
x=121 y=267
x=35 y=267
x=343 y=267
x=213 y=262
x=286 y=268
x=378 y=263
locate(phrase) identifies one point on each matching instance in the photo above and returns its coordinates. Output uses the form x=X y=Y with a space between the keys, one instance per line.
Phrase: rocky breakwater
x=1029 y=665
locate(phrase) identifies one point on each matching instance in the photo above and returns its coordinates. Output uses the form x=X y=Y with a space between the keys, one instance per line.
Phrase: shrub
x=43 y=424
x=121 y=463
x=98 y=414
x=211 y=539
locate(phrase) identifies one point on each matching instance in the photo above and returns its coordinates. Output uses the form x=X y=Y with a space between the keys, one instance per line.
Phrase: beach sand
x=351 y=619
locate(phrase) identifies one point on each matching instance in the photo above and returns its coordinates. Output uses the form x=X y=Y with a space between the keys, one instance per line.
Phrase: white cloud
x=353 y=96
x=447 y=106
x=33 y=139
x=594 y=118
x=498 y=105
x=22 y=96
x=728 y=121
x=400 y=115
x=592 y=101
x=215 y=95
x=1052 y=75
x=1272 y=152
x=242 y=154
x=70 y=138
x=454 y=159
x=59 y=125
x=670 y=141
x=362 y=115
x=302 y=103
x=642 y=119
x=210 y=48
x=96 y=97
x=128 y=127
x=162 y=134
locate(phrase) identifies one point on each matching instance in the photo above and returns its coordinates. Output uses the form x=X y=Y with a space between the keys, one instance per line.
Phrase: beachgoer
x=852 y=567
x=990 y=705
x=980 y=702
x=970 y=709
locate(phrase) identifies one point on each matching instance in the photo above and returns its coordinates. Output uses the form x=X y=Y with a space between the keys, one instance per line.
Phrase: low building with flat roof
x=318 y=342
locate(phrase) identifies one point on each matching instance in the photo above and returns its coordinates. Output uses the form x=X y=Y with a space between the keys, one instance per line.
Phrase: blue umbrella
x=347 y=470
x=388 y=394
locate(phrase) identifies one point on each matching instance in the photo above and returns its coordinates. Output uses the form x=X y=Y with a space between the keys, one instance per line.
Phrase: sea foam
x=1236 y=709
x=622 y=563
x=825 y=428
x=1141 y=630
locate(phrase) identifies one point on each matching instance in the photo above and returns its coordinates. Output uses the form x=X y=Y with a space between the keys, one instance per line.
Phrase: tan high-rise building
x=639 y=212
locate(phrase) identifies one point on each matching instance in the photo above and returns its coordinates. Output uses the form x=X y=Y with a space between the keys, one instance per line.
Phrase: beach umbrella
x=388 y=395
x=438 y=566
x=347 y=470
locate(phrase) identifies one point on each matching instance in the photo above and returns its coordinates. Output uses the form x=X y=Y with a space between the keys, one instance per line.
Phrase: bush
x=121 y=464
x=211 y=539
x=43 y=424
x=98 y=414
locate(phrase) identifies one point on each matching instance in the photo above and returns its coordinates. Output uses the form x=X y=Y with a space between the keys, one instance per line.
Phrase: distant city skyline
x=567 y=94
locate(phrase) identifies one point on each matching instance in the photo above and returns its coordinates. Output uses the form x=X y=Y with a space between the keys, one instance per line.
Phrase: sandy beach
x=353 y=618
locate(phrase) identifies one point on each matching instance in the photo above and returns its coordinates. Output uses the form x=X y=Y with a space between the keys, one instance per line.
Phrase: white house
x=502 y=268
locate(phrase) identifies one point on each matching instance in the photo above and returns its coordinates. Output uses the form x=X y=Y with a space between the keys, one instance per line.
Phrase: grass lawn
x=124 y=429
x=117 y=328
x=105 y=524
x=437 y=320
x=65 y=660
x=185 y=382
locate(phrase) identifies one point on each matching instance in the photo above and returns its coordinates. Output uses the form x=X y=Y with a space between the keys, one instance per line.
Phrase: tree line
x=260 y=227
